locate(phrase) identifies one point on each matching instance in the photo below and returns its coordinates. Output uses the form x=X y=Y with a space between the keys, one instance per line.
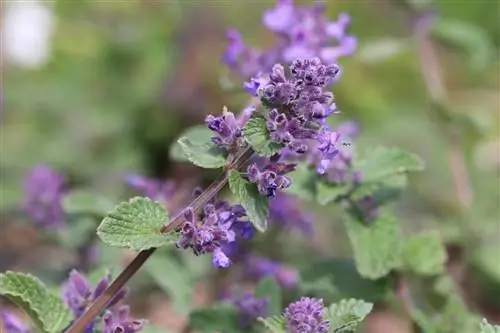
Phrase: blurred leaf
x=154 y=329
x=136 y=225
x=257 y=135
x=472 y=38
x=455 y=317
x=425 y=254
x=381 y=50
x=196 y=134
x=327 y=193
x=346 y=315
x=303 y=183
x=376 y=245
x=486 y=327
x=77 y=233
x=247 y=195
x=45 y=309
x=204 y=155
x=219 y=318
x=86 y=202
x=276 y=324
x=268 y=287
x=383 y=192
x=173 y=279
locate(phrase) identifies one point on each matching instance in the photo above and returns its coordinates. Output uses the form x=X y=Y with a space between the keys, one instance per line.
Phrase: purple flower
x=268 y=181
x=151 y=188
x=121 y=323
x=251 y=308
x=43 y=192
x=209 y=232
x=12 y=324
x=229 y=133
x=256 y=268
x=306 y=316
x=285 y=212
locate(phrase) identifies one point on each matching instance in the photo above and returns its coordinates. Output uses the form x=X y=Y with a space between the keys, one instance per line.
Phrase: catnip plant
x=281 y=150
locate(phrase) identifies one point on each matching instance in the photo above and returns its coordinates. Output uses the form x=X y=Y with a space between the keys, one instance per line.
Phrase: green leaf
x=257 y=136
x=255 y=204
x=327 y=193
x=205 y=155
x=346 y=315
x=376 y=246
x=385 y=162
x=44 y=308
x=221 y=318
x=485 y=327
x=197 y=134
x=172 y=278
x=86 y=202
x=303 y=183
x=425 y=254
x=276 y=324
x=154 y=329
x=268 y=287
x=136 y=225
x=384 y=191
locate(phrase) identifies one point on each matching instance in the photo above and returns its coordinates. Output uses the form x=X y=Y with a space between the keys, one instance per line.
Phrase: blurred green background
x=122 y=79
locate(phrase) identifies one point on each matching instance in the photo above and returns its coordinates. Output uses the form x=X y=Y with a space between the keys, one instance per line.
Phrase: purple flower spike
x=229 y=133
x=268 y=181
x=258 y=267
x=306 y=316
x=43 y=192
x=279 y=18
x=285 y=212
x=151 y=188
x=121 y=323
x=12 y=324
x=251 y=308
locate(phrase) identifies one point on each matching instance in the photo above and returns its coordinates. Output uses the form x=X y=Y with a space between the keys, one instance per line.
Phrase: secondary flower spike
x=306 y=316
x=251 y=308
x=12 y=324
x=120 y=322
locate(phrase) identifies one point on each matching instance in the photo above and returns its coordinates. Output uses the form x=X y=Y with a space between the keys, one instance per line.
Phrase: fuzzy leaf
x=268 y=287
x=219 y=318
x=257 y=136
x=197 y=134
x=205 y=155
x=385 y=162
x=276 y=324
x=86 y=202
x=303 y=183
x=425 y=254
x=327 y=193
x=246 y=194
x=346 y=315
x=485 y=327
x=44 y=308
x=136 y=225
x=376 y=246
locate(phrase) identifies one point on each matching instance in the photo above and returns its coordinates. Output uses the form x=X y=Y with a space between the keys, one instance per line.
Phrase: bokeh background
x=98 y=88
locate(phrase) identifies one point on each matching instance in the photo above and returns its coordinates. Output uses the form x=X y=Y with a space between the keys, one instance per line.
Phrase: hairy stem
x=197 y=204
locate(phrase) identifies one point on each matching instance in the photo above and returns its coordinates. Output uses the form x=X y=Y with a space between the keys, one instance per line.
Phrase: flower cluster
x=306 y=316
x=120 y=322
x=250 y=308
x=269 y=180
x=44 y=190
x=256 y=268
x=227 y=128
x=151 y=188
x=210 y=231
x=303 y=32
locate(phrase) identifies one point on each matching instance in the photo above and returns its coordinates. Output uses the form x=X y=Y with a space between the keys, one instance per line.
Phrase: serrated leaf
x=136 y=225
x=376 y=246
x=385 y=162
x=257 y=136
x=425 y=254
x=221 y=318
x=172 y=278
x=205 y=155
x=327 y=193
x=45 y=309
x=486 y=327
x=86 y=202
x=197 y=134
x=255 y=204
x=303 y=183
x=276 y=324
x=346 y=315
x=268 y=287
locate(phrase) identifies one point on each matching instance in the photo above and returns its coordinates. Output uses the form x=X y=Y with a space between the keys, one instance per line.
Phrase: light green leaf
x=346 y=315
x=486 y=327
x=136 y=225
x=268 y=287
x=384 y=191
x=257 y=136
x=255 y=204
x=197 y=134
x=154 y=329
x=86 y=202
x=327 y=193
x=173 y=278
x=385 y=162
x=276 y=324
x=205 y=155
x=221 y=318
x=376 y=246
x=425 y=254
x=44 y=308
x=303 y=183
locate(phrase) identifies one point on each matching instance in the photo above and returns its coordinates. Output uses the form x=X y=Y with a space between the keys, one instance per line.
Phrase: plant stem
x=197 y=204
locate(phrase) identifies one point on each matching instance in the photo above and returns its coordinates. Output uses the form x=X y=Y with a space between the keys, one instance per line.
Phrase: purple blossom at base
x=306 y=316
